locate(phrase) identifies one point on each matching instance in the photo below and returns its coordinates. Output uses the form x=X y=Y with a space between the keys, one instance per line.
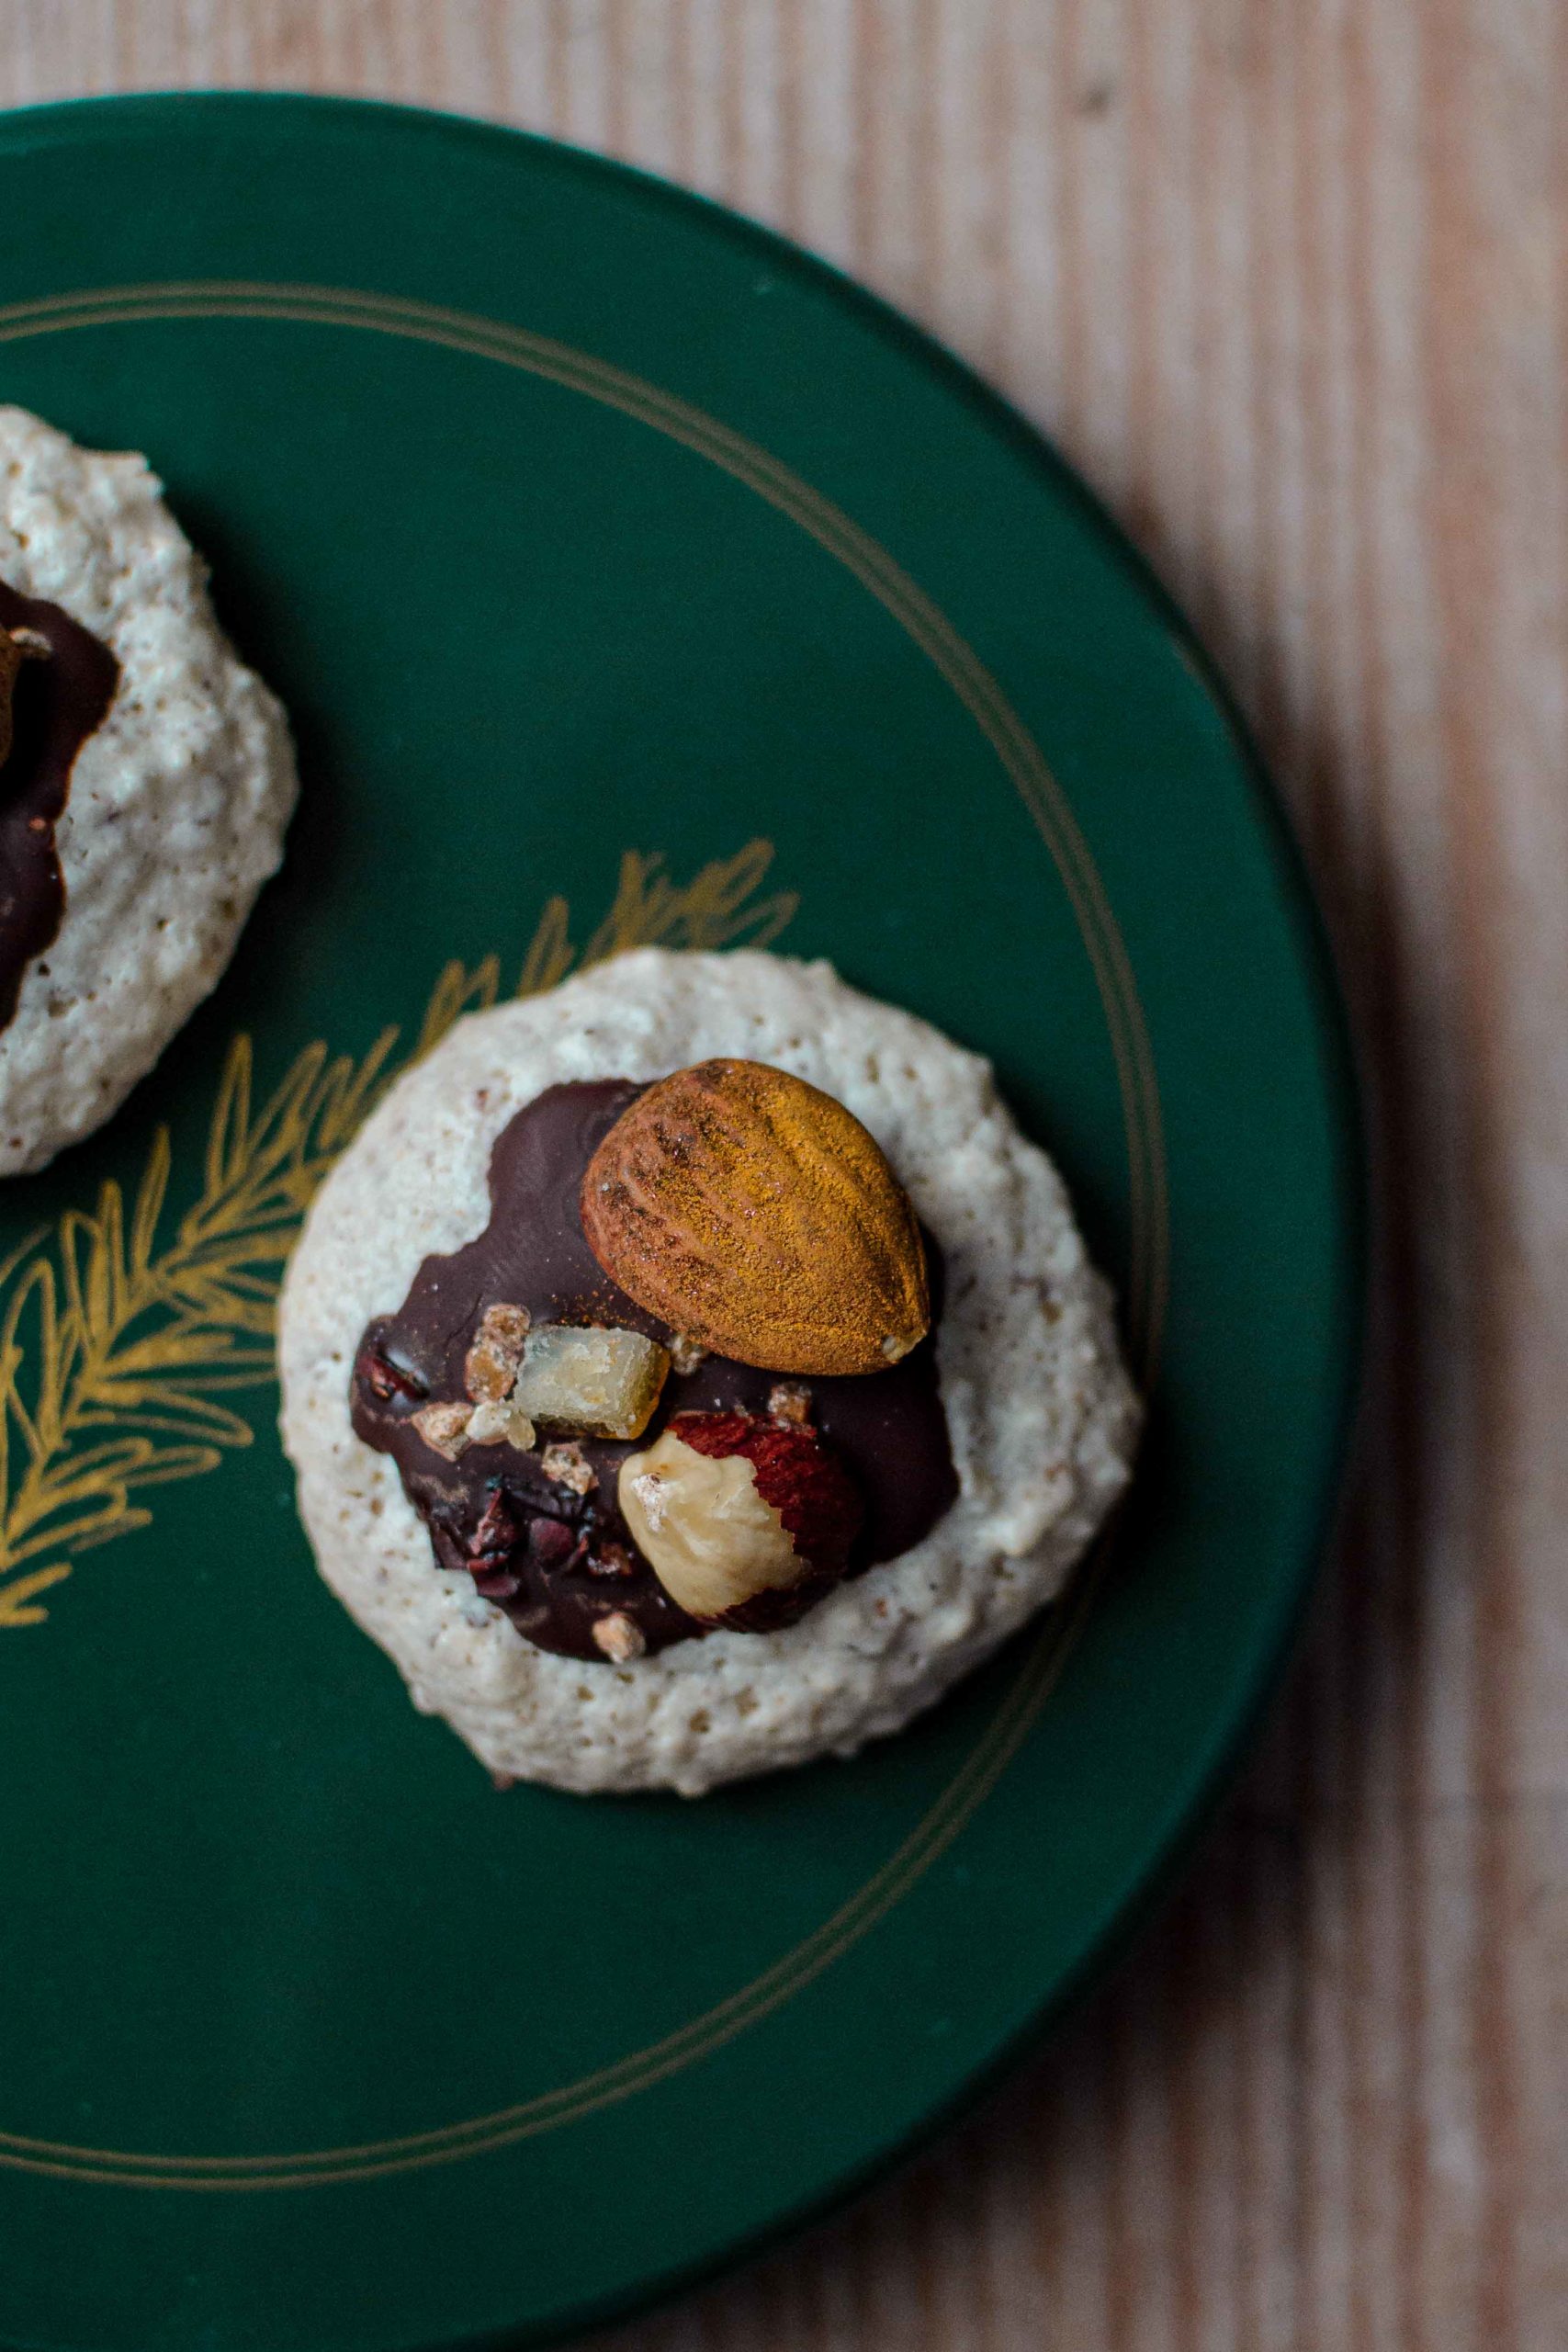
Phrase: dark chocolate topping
x=56 y=705
x=555 y=1561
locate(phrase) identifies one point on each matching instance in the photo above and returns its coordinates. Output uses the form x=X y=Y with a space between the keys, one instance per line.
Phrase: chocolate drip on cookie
x=60 y=682
x=556 y=1554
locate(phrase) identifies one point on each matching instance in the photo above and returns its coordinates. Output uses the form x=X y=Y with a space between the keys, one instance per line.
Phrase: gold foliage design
x=122 y=1333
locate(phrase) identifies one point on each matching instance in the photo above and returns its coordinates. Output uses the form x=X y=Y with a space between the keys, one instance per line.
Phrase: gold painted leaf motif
x=120 y=1336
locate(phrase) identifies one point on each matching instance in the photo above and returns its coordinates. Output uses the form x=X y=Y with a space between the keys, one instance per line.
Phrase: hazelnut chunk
x=566 y=1467
x=619 y=1636
x=493 y=1362
x=789 y=1403
x=444 y=1428
x=707 y=1532
x=498 y=1422
x=728 y=1507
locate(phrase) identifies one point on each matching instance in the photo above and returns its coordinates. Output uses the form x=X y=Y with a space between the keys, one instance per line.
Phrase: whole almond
x=755 y=1215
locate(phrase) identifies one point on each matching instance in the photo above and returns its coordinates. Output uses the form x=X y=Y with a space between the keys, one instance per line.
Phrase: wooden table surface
x=1289 y=280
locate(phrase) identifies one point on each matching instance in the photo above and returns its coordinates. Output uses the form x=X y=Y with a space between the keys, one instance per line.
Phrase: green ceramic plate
x=628 y=576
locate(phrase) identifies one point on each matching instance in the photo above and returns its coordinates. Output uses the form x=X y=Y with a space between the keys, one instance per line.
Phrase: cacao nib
x=550 y=1542
x=494 y=1584
x=496 y=1533
x=385 y=1379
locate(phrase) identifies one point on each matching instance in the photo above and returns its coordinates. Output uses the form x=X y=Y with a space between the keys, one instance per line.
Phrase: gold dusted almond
x=756 y=1216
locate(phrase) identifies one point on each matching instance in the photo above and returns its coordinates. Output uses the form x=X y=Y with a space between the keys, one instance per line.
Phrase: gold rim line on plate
x=609 y=2085
x=1025 y=764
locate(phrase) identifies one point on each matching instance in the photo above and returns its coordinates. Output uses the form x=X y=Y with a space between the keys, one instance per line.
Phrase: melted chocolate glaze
x=553 y=1560
x=56 y=705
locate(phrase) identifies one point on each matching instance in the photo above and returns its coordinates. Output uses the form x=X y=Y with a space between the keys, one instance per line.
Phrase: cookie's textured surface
x=178 y=803
x=1043 y=1420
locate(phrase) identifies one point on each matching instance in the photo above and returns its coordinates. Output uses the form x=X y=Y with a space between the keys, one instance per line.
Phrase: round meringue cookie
x=177 y=800
x=1042 y=1417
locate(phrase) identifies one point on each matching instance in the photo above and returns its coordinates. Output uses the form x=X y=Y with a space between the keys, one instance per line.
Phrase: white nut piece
x=568 y=1465
x=488 y=1423
x=495 y=1422
x=705 y=1532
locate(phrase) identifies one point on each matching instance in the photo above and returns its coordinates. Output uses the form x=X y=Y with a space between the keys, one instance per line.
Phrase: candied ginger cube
x=591 y=1381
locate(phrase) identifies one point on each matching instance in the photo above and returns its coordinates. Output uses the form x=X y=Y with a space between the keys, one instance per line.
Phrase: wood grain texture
x=1289 y=280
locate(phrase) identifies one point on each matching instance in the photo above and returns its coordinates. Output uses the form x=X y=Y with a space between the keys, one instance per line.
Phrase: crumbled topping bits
x=495 y=1358
x=488 y=1423
x=620 y=1637
x=568 y=1467
x=444 y=1428
x=540 y=1374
